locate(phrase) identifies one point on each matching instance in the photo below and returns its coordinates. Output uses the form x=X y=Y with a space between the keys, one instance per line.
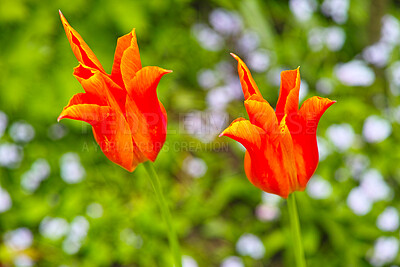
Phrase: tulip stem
x=172 y=237
x=295 y=229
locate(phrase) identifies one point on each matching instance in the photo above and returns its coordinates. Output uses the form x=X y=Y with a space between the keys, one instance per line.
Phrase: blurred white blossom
x=376 y=129
x=53 y=228
x=385 y=250
x=21 y=132
x=194 y=167
x=355 y=73
x=207 y=37
x=72 y=170
x=336 y=9
x=225 y=22
x=3 y=123
x=250 y=245
x=10 y=155
x=207 y=78
x=38 y=172
x=19 y=239
x=5 y=200
x=358 y=201
x=388 y=220
x=318 y=188
x=77 y=233
x=188 y=261
x=302 y=9
x=341 y=135
x=374 y=186
x=232 y=261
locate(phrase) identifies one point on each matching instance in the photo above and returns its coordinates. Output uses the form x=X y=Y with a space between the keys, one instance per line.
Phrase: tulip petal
x=274 y=170
x=288 y=100
x=111 y=132
x=145 y=111
x=249 y=86
x=303 y=128
x=249 y=135
x=81 y=50
x=100 y=85
x=126 y=56
x=261 y=114
x=83 y=98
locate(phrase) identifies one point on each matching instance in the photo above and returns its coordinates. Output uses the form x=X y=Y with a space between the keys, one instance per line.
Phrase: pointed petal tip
x=221 y=134
x=234 y=56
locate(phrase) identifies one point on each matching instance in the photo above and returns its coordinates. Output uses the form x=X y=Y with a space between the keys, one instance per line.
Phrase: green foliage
x=212 y=212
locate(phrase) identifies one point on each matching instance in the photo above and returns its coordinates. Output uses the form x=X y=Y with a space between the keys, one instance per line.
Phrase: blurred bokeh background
x=62 y=203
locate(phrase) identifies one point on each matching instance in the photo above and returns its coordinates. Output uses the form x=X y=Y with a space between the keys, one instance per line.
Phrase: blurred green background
x=62 y=203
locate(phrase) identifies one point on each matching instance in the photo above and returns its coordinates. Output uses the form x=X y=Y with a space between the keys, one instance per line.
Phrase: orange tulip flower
x=129 y=122
x=281 y=146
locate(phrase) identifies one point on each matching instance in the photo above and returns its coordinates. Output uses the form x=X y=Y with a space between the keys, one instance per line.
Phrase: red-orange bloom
x=129 y=122
x=282 y=152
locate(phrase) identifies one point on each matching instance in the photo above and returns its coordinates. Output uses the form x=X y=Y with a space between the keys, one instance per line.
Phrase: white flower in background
x=194 y=167
x=188 y=261
x=207 y=37
x=207 y=78
x=390 y=30
x=53 y=228
x=374 y=186
x=267 y=212
x=272 y=199
x=331 y=37
x=71 y=169
x=393 y=74
x=22 y=260
x=378 y=54
x=355 y=73
x=324 y=149
x=303 y=90
x=225 y=22
x=358 y=201
x=218 y=98
x=250 y=245
x=318 y=188
x=385 y=250
x=10 y=155
x=205 y=125
x=334 y=38
x=77 y=233
x=18 y=239
x=248 y=42
x=376 y=129
x=336 y=9
x=3 y=123
x=357 y=163
x=274 y=76
x=130 y=238
x=388 y=220
x=21 y=132
x=94 y=210
x=39 y=171
x=258 y=60
x=5 y=200
x=324 y=86
x=57 y=131
x=302 y=9
x=232 y=261
x=341 y=135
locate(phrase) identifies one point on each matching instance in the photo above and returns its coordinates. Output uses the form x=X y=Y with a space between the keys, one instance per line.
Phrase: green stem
x=295 y=229
x=172 y=237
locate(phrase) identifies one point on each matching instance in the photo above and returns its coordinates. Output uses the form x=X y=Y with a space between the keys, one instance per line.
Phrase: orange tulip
x=129 y=122
x=281 y=146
